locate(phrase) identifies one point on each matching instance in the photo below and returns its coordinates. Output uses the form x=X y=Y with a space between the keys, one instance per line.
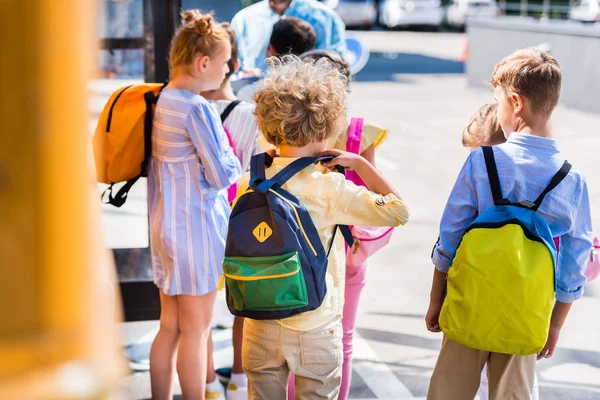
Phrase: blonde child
x=526 y=88
x=299 y=106
x=191 y=165
x=356 y=275
x=240 y=124
x=483 y=129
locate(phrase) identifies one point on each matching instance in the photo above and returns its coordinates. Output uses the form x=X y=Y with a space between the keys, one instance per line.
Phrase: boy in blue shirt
x=253 y=26
x=527 y=88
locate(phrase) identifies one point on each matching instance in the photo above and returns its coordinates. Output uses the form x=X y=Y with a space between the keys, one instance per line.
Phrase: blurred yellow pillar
x=58 y=337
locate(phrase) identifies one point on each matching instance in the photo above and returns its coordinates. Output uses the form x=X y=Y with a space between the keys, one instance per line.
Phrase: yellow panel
x=490 y=290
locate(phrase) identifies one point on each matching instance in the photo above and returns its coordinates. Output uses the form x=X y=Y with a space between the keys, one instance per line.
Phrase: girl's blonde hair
x=301 y=102
x=484 y=129
x=198 y=34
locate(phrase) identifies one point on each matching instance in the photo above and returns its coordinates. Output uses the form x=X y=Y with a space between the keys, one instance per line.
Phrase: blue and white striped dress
x=191 y=165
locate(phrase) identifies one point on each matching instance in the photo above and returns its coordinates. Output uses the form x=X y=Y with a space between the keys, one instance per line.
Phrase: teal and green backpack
x=275 y=263
x=500 y=287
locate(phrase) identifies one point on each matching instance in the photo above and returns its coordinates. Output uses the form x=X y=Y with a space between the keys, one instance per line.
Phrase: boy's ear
x=517 y=102
x=236 y=67
x=271 y=51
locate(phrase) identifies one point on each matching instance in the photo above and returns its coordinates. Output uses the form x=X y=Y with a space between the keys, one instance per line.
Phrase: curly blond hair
x=532 y=73
x=484 y=129
x=198 y=34
x=300 y=101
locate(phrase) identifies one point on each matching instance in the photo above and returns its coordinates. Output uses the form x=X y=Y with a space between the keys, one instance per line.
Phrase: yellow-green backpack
x=501 y=283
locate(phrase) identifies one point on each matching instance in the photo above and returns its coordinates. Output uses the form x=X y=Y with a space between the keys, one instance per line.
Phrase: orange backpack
x=123 y=138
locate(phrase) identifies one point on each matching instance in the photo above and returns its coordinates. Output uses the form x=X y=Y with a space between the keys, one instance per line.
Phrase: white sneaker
x=214 y=391
x=235 y=392
x=214 y=395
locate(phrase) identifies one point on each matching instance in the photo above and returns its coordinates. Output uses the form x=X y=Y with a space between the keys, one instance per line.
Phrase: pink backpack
x=592 y=271
x=232 y=190
x=368 y=239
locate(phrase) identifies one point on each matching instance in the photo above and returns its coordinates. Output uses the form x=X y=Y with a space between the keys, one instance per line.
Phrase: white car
x=355 y=13
x=460 y=10
x=585 y=11
x=403 y=13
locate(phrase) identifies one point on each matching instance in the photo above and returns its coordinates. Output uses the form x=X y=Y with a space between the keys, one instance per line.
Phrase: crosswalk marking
x=376 y=375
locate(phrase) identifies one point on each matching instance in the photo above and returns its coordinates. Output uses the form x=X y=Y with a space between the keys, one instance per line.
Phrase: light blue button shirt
x=254 y=24
x=526 y=164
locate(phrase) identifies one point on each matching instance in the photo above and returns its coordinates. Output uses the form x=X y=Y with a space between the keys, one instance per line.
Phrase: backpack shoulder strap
x=346 y=232
x=229 y=109
x=286 y=174
x=355 y=132
x=492 y=170
x=556 y=179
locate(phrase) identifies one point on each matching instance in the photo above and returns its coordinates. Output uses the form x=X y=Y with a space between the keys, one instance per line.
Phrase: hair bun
x=190 y=16
x=203 y=23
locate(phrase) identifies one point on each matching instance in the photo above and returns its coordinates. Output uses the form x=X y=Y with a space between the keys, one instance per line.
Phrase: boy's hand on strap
x=374 y=180
x=342 y=158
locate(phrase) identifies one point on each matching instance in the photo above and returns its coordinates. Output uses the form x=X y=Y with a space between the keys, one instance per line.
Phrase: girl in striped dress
x=191 y=167
x=241 y=125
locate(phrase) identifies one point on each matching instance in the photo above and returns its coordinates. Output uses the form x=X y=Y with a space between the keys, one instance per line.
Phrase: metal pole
x=546 y=8
x=166 y=20
x=523 y=8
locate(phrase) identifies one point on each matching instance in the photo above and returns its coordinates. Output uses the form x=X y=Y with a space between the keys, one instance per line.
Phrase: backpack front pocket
x=266 y=283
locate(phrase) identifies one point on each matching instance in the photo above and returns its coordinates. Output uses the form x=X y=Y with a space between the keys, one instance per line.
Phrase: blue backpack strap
x=287 y=173
x=258 y=164
x=346 y=232
x=257 y=167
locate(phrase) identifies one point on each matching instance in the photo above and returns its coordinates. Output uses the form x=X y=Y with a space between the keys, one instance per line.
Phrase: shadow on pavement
x=383 y=67
x=399 y=315
x=400 y=338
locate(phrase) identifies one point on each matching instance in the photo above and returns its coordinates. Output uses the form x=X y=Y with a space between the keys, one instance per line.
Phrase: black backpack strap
x=346 y=232
x=121 y=196
x=556 y=179
x=229 y=109
x=492 y=170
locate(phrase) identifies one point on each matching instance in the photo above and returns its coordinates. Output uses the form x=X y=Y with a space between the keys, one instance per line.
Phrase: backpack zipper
x=255 y=278
x=112 y=106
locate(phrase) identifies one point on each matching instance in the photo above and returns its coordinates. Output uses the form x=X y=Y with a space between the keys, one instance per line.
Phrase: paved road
x=415 y=86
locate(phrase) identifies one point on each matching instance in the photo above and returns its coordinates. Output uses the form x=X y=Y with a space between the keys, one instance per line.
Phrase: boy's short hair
x=300 y=102
x=334 y=58
x=484 y=128
x=292 y=36
x=234 y=49
x=532 y=73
